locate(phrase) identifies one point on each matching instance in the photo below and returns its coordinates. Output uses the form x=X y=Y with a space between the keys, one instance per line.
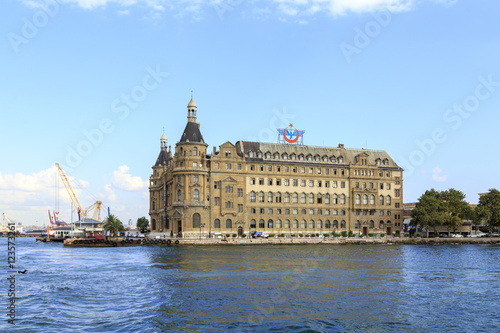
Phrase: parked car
x=457 y=235
x=478 y=235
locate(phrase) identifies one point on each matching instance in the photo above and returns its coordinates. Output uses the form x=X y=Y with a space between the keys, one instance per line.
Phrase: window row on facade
x=319 y=198
x=294 y=224
x=310 y=211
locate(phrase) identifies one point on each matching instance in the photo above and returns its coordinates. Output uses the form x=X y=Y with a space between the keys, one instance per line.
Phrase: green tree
x=488 y=209
x=456 y=208
x=113 y=224
x=429 y=211
x=142 y=224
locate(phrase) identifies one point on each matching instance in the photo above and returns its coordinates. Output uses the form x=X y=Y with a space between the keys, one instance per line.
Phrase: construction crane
x=82 y=213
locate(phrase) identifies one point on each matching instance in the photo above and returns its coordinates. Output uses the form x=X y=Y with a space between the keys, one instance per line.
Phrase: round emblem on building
x=290 y=134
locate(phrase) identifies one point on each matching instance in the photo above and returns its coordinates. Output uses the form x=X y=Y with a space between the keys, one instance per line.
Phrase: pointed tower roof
x=192 y=131
x=192 y=103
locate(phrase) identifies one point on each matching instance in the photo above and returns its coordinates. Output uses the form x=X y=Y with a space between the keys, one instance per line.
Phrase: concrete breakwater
x=272 y=241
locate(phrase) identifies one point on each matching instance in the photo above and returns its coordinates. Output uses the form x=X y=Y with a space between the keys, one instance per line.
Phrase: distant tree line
x=449 y=208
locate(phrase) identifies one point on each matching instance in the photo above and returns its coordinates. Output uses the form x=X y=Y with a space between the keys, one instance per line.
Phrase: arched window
x=278 y=224
x=252 y=196
x=196 y=195
x=365 y=199
x=303 y=198
x=388 y=200
x=327 y=198
x=335 y=224
x=342 y=199
x=229 y=224
x=342 y=224
x=358 y=199
x=261 y=224
x=278 y=197
x=153 y=224
x=295 y=197
x=270 y=224
x=319 y=224
x=311 y=198
x=372 y=224
x=253 y=224
x=335 y=199
x=270 y=196
x=295 y=224
x=217 y=224
x=320 y=198
x=327 y=224
x=381 y=200
x=381 y=225
x=356 y=224
x=261 y=196
x=287 y=197
x=287 y=224
x=303 y=224
x=196 y=220
x=372 y=199
x=311 y=224
x=179 y=195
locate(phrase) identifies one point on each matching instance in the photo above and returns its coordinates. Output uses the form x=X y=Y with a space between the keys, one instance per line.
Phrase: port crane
x=82 y=213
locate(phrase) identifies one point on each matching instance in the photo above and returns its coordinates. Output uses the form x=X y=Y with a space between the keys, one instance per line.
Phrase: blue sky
x=91 y=84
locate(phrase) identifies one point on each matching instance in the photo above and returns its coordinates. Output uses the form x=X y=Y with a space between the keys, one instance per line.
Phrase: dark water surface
x=300 y=288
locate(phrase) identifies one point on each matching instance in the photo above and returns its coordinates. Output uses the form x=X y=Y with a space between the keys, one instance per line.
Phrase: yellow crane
x=81 y=212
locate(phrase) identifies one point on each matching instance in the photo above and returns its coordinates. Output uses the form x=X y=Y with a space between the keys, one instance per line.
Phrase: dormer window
x=268 y=155
x=251 y=154
x=332 y=159
x=309 y=157
x=259 y=155
x=340 y=159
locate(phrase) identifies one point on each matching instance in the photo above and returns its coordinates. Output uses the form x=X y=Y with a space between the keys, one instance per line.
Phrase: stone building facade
x=272 y=188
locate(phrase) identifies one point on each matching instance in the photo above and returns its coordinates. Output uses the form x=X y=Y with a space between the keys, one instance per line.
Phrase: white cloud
x=437 y=175
x=290 y=8
x=123 y=180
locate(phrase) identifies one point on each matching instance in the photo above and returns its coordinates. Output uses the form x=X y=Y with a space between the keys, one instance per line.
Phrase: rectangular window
x=261 y=181
x=327 y=212
x=278 y=169
x=287 y=182
x=216 y=185
x=261 y=167
x=334 y=171
x=388 y=213
x=228 y=166
x=356 y=185
x=302 y=183
x=269 y=210
x=252 y=167
x=371 y=185
x=261 y=211
x=287 y=211
x=311 y=183
x=327 y=171
x=217 y=201
x=278 y=182
x=195 y=178
x=320 y=212
x=239 y=166
x=240 y=208
x=287 y=169
x=270 y=181
x=342 y=184
x=278 y=211
x=295 y=211
x=363 y=185
x=252 y=181
x=381 y=186
x=311 y=171
x=311 y=211
x=342 y=173
x=295 y=182
x=396 y=205
x=335 y=184
x=195 y=164
x=269 y=168
x=396 y=193
x=294 y=169
x=303 y=170
x=240 y=192
x=388 y=186
x=252 y=210
x=319 y=183
x=319 y=171
x=216 y=165
x=327 y=183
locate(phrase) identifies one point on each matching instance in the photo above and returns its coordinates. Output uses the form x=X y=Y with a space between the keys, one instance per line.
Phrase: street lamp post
x=202 y=225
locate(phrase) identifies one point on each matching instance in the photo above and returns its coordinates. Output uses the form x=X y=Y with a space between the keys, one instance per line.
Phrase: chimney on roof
x=215 y=149
x=341 y=145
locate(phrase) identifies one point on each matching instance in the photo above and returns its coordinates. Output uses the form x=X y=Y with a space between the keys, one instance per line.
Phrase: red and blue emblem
x=290 y=134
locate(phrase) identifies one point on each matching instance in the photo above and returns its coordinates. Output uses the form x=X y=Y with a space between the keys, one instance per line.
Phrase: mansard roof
x=192 y=133
x=348 y=155
x=162 y=158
